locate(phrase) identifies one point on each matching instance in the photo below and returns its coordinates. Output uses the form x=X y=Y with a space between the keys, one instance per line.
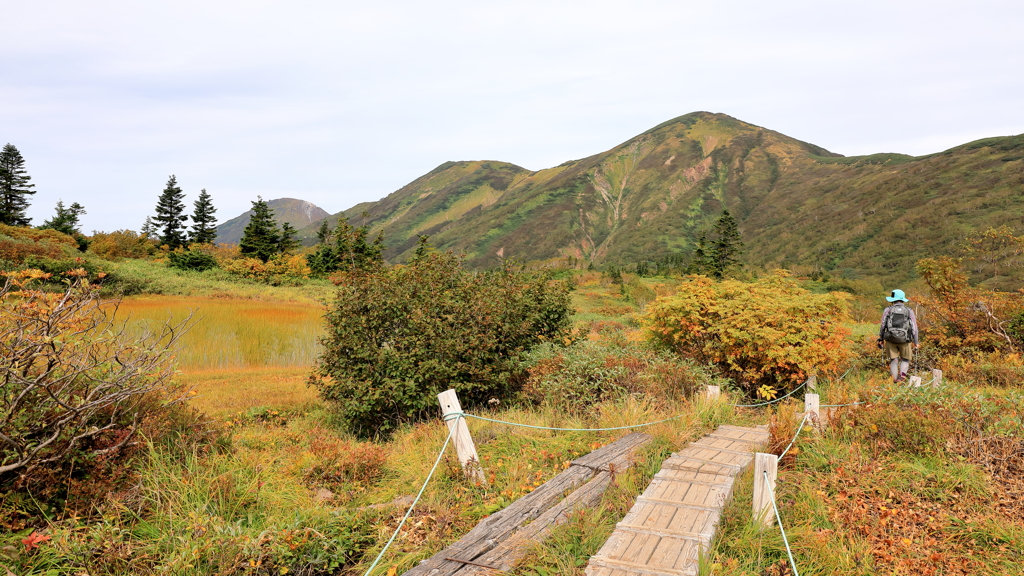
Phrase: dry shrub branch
x=74 y=384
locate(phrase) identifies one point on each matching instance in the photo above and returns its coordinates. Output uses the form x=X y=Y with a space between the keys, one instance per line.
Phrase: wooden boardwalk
x=674 y=520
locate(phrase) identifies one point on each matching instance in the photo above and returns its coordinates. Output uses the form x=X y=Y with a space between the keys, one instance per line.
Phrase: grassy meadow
x=237 y=354
x=285 y=491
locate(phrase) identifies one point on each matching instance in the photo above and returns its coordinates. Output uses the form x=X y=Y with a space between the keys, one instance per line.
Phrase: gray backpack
x=898 y=328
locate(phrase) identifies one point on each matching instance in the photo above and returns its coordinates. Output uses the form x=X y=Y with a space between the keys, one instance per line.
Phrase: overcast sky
x=343 y=102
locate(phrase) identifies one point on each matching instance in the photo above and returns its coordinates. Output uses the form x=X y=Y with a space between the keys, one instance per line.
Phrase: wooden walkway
x=674 y=520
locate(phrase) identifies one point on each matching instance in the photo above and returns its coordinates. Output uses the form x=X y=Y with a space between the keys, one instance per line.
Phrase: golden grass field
x=238 y=354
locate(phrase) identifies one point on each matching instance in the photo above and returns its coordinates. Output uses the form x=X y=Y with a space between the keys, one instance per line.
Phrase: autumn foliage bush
x=280 y=269
x=767 y=332
x=17 y=244
x=122 y=244
x=76 y=389
x=399 y=335
x=977 y=333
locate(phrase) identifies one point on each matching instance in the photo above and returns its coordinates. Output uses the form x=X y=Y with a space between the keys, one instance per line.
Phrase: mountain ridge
x=797 y=203
x=299 y=213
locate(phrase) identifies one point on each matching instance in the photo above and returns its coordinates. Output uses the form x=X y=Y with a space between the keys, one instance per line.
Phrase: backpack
x=898 y=329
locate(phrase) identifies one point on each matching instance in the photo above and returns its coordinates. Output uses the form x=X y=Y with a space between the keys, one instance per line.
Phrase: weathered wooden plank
x=674 y=520
x=497 y=528
x=640 y=570
x=626 y=568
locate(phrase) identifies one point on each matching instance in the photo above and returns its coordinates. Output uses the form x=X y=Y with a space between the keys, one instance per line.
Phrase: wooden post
x=936 y=377
x=812 y=408
x=812 y=383
x=713 y=392
x=914 y=382
x=763 y=492
x=464 y=446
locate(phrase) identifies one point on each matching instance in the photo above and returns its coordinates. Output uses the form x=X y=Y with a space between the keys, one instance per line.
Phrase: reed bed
x=231 y=333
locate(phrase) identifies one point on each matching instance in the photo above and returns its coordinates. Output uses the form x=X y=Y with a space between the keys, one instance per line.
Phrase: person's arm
x=881 y=327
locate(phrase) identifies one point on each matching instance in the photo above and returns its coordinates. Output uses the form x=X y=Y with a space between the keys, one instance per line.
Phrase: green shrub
x=577 y=376
x=397 y=336
x=193 y=260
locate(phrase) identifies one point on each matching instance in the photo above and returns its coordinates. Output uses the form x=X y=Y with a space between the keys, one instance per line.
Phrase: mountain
x=298 y=213
x=651 y=197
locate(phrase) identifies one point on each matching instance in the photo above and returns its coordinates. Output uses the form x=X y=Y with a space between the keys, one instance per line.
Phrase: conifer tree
x=726 y=248
x=203 y=222
x=423 y=247
x=323 y=234
x=343 y=244
x=170 y=214
x=701 y=263
x=66 y=219
x=716 y=256
x=148 y=228
x=261 y=237
x=286 y=242
x=14 y=188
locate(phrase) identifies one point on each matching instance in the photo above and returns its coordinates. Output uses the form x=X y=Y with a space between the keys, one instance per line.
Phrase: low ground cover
x=286 y=490
x=917 y=481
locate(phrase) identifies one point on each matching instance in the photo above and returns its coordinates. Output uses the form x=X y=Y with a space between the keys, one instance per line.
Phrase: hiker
x=898 y=333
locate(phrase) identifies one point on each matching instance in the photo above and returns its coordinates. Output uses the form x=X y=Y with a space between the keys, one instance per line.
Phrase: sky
x=340 y=102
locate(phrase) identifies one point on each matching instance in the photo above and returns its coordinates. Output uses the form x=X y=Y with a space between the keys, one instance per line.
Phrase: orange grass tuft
x=226 y=392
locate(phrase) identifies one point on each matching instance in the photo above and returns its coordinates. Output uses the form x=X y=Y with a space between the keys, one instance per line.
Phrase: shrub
x=280 y=269
x=17 y=244
x=122 y=244
x=398 y=336
x=193 y=259
x=577 y=376
x=960 y=317
x=75 y=387
x=766 y=332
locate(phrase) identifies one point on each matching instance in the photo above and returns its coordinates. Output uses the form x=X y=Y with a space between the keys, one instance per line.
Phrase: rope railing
x=778 y=518
x=408 y=512
x=799 y=429
x=457 y=415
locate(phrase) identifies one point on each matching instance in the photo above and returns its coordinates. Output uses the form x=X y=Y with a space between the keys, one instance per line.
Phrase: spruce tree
x=14 y=188
x=148 y=228
x=286 y=242
x=66 y=219
x=261 y=237
x=323 y=234
x=726 y=247
x=701 y=262
x=203 y=222
x=170 y=214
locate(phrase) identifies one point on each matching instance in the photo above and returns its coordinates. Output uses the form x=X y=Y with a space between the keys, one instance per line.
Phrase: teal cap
x=897 y=295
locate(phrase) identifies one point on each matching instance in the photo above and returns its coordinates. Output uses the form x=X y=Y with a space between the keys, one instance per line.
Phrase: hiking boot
x=903 y=376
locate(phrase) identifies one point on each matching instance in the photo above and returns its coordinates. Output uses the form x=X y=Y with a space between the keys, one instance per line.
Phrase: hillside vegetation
x=653 y=196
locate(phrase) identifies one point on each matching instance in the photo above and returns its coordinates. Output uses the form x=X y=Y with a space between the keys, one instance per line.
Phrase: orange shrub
x=122 y=244
x=17 y=243
x=763 y=332
x=279 y=269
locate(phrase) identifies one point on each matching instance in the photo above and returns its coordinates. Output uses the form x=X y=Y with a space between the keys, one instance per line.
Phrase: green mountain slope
x=654 y=195
x=298 y=213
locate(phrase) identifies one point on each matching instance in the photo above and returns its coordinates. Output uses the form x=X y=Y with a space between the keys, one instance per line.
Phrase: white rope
x=798 y=431
x=778 y=518
x=415 y=501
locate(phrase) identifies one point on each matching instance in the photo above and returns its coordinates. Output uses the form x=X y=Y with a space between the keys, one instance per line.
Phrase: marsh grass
x=232 y=333
x=223 y=393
